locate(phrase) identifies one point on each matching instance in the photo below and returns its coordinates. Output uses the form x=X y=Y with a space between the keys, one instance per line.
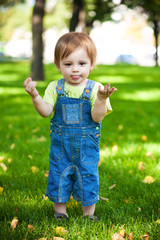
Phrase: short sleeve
x=109 y=108
x=50 y=95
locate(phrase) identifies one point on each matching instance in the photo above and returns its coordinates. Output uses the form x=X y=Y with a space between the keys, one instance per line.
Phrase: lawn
x=129 y=164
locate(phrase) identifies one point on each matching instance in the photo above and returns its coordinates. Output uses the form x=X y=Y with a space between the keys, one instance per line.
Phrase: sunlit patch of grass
x=113 y=79
x=143 y=95
x=11 y=91
x=132 y=148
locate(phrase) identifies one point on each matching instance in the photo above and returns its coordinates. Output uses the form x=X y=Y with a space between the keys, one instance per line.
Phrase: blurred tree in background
x=37 y=71
x=85 y=12
x=78 y=8
x=13 y=14
x=152 y=10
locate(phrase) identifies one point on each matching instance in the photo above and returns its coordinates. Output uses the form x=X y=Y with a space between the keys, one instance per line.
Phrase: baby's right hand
x=30 y=87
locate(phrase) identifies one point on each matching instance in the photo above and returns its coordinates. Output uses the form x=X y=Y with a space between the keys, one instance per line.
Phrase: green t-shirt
x=50 y=95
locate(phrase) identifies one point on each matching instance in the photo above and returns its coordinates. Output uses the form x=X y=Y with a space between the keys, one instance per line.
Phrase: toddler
x=77 y=106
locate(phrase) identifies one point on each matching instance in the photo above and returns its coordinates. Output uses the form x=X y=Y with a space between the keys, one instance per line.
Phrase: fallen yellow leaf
x=43 y=238
x=34 y=169
x=72 y=204
x=58 y=238
x=117 y=236
x=30 y=227
x=158 y=221
x=46 y=174
x=100 y=161
x=153 y=158
x=120 y=127
x=114 y=148
x=9 y=160
x=149 y=179
x=45 y=197
x=148 y=154
x=145 y=236
x=14 y=223
x=12 y=146
x=129 y=201
x=140 y=166
x=122 y=231
x=144 y=138
x=1 y=189
x=130 y=236
x=105 y=199
x=4 y=167
x=30 y=157
x=41 y=139
x=61 y=231
x=2 y=158
x=113 y=186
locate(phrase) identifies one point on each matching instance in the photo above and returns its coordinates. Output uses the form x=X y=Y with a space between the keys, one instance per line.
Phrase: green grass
x=24 y=142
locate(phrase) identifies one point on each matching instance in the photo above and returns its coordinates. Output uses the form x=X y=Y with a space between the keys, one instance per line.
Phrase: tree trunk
x=156 y=32
x=77 y=8
x=82 y=21
x=37 y=71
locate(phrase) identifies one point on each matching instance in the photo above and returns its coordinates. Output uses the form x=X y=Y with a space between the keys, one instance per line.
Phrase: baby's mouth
x=75 y=77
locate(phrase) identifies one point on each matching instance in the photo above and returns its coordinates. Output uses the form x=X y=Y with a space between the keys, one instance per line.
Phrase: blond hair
x=70 y=42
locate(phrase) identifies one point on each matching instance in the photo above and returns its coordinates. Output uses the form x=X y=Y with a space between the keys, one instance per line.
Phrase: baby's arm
x=99 y=110
x=44 y=109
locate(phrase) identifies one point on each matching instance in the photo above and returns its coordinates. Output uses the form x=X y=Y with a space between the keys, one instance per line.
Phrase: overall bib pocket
x=72 y=113
x=90 y=148
x=56 y=149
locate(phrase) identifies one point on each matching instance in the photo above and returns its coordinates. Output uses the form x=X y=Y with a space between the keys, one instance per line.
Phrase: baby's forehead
x=78 y=52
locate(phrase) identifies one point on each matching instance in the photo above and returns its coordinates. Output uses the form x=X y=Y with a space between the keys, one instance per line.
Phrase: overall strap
x=88 y=89
x=60 y=87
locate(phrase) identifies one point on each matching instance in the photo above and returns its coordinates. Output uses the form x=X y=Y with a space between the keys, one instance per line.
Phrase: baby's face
x=76 y=67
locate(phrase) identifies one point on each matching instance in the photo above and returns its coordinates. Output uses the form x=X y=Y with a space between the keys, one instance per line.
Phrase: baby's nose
x=75 y=68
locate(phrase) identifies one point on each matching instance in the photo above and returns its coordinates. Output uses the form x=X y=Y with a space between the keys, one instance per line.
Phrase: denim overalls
x=74 y=150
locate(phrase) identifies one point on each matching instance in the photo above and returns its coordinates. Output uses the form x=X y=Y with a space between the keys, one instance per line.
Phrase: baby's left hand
x=104 y=93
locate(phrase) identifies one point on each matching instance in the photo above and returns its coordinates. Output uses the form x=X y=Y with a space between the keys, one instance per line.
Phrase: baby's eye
x=82 y=63
x=67 y=64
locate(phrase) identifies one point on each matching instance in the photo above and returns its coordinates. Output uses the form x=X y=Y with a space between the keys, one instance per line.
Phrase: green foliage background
x=20 y=16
